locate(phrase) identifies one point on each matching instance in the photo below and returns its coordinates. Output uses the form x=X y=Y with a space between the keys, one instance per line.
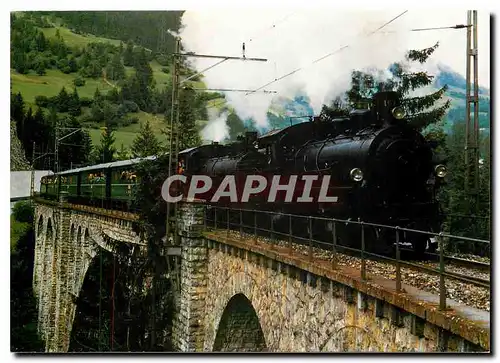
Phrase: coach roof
x=112 y=164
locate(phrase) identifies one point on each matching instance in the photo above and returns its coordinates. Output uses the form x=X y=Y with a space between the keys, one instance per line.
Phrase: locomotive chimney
x=384 y=103
x=250 y=137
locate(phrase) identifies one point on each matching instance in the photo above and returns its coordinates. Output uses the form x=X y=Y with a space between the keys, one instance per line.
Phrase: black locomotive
x=381 y=170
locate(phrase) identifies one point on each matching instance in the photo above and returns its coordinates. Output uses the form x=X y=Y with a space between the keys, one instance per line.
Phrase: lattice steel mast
x=472 y=125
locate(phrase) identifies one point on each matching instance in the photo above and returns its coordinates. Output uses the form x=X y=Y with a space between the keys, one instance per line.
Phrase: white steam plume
x=297 y=41
x=216 y=130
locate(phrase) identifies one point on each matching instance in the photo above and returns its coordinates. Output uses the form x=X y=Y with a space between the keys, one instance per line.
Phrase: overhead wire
x=458 y=26
x=326 y=56
x=225 y=59
x=273 y=26
x=453 y=27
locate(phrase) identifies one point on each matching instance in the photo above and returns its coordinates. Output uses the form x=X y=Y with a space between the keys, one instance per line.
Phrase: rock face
x=18 y=161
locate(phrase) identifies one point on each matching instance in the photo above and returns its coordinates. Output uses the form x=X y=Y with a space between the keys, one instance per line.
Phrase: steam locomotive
x=380 y=169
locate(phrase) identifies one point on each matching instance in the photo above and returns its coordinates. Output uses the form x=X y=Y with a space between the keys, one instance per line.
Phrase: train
x=381 y=170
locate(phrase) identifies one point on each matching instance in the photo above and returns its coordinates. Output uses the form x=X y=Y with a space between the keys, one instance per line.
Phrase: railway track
x=461 y=262
x=405 y=259
x=419 y=267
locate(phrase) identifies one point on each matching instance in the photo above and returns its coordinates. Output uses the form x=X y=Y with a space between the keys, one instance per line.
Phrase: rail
x=332 y=246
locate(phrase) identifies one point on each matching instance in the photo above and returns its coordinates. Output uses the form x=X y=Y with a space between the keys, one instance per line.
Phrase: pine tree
x=128 y=55
x=188 y=132
x=105 y=151
x=42 y=134
x=115 y=69
x=145 y=143
x=63 y=101
x=122 y=154
x=16 y=107
x=420 y=110
x=98 y=97
x=75 y=149
x=20 y=61
x=26 y=137
x=235 y=125
x=143 y=70
x=74 y=106
x=335 y=109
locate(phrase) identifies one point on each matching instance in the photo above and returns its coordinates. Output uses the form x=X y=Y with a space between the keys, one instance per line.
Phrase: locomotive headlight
x=440 y=170
x=356 y=174
x=398 y=113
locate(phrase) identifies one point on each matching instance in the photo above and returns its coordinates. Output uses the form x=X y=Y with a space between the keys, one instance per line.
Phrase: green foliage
x=128 y=55
x=125 y=25
x=146 y=143
x=152 y=216
x=463 y=220
x=28 y=44
x=17 y=229
x=235 y=125
x=115 y=69
x=421 y=110
x=122 y=154
x=79 y=82
x=16 y=107
x=188 y=135
x=23 y=212
x=105 y=151
x=23 y=311
x=336 y=109
x=75 y=149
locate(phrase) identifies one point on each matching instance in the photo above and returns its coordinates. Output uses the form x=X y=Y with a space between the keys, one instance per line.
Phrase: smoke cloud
x=291 y=40
x=216 y=130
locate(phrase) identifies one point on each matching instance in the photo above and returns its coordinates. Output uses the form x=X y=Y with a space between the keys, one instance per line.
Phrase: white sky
x=300 y=36
x=234 y=25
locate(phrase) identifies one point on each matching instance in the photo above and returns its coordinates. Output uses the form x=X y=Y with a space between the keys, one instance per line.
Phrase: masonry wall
x=300 y=312
x=187 y=334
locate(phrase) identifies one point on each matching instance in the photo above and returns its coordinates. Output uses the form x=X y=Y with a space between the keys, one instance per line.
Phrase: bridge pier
x=188 y=329
x=56 y=302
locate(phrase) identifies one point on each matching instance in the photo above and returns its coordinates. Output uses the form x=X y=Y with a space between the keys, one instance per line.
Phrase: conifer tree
x=105 y=151
x=122 y=154
x=63 y=101
x=188 y=135
x=115 y=69
x=128 y=55
x=145 y=143
x=76 y=148
x=16 y=107
x=421 y=111
x=74 y=107
x=235 y=125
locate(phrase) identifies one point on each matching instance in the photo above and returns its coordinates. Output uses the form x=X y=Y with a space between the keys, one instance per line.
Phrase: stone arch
x=241 y=282
x=50 y=232
x=39 y=229
x=79 y=251
x=72 y=232
x=239 y=328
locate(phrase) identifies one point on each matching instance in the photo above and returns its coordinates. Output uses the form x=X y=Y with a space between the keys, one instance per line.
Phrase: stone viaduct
x=240 y=295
